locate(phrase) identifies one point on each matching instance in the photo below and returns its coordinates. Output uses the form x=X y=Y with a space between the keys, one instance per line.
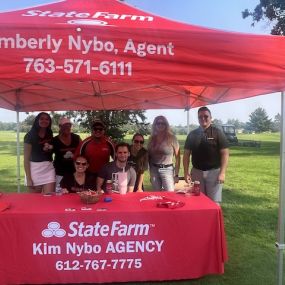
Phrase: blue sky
x=218 y=14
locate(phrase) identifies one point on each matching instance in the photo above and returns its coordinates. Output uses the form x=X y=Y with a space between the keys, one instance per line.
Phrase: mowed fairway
x=250 y=207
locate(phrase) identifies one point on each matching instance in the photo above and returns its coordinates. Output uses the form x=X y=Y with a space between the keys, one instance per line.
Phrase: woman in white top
x=163 y=147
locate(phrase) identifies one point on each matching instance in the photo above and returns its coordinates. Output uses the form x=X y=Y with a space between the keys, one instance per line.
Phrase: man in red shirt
x=97 y=148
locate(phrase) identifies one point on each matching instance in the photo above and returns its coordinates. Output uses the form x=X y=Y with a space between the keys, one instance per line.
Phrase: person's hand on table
x=64 y=191
x=176 y=179
x=187 y=178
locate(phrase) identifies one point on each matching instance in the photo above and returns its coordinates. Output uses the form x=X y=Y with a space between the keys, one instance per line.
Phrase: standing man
x=98 y=148
x=119 y=165
x=210 y=154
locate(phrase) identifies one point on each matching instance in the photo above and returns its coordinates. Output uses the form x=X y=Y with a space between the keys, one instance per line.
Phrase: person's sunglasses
x=80 y=163
x=161 y=123
x=205 y=117
x=137 y=141
x=98 y=129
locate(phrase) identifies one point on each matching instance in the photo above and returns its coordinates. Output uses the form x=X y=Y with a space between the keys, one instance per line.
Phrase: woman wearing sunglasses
x=80 y=180
x=163 y=147
x=138 y=159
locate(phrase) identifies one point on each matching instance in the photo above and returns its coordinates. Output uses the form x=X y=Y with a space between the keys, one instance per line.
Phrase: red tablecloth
x=51 y=239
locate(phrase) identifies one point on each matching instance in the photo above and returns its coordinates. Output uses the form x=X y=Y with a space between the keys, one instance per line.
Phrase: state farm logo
x=88 y=22
x=86 y=18
x=53 y=230
x=83 y=230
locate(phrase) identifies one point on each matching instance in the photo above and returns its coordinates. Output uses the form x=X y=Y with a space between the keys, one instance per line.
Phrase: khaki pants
x=209 y=184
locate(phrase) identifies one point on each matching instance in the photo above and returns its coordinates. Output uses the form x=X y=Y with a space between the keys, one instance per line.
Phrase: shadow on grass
x=251 y=224
x=5 y=173
x=10 y=148
x=266 y=149
x=8 y=181
x=236 y=197
x=249 y=214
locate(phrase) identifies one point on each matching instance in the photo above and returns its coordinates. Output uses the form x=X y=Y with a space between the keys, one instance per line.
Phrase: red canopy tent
x=104 y=54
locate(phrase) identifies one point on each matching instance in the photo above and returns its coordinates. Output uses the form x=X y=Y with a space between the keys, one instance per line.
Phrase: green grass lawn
x=250 y=207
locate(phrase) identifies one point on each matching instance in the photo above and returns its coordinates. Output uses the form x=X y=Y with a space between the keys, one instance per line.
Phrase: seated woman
x=80 y=180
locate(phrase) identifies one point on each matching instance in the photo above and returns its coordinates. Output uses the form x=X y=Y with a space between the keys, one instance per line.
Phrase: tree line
x=121 y=123
x=258 y=122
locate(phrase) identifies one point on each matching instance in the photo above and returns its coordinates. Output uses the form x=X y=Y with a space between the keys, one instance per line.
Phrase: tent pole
x=281 y=215
x=18 y=154
x=188 y=121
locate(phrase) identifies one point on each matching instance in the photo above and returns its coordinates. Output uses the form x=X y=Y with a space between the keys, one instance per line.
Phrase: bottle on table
x=109 y=186
x=196 y=188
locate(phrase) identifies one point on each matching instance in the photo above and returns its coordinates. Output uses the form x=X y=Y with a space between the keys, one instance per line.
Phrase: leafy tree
x=235 y=122
x=55 y=120
x=276 y=126
x=8 y=126
x=217 y=122
x=272 y=10
x=183 y=130
x=29 y=120
x=179 y=130
x=118 y=123
x=258 y=121
x=27 y=123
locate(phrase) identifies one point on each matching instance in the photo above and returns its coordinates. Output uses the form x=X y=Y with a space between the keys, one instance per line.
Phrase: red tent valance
x=105 y=54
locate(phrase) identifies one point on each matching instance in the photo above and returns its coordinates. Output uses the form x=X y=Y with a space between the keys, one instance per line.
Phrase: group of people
x=74 y=165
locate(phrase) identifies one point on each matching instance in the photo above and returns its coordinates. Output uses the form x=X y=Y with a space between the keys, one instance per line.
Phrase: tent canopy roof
x=105 y=54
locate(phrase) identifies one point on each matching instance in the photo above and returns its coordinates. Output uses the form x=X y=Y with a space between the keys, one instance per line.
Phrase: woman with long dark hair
x=38 y=148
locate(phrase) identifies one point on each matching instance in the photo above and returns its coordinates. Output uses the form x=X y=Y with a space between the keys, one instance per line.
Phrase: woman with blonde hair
x=162 y=148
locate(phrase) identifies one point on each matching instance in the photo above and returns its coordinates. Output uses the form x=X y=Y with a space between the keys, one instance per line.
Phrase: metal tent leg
x=281 y=215
x=18 y=155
